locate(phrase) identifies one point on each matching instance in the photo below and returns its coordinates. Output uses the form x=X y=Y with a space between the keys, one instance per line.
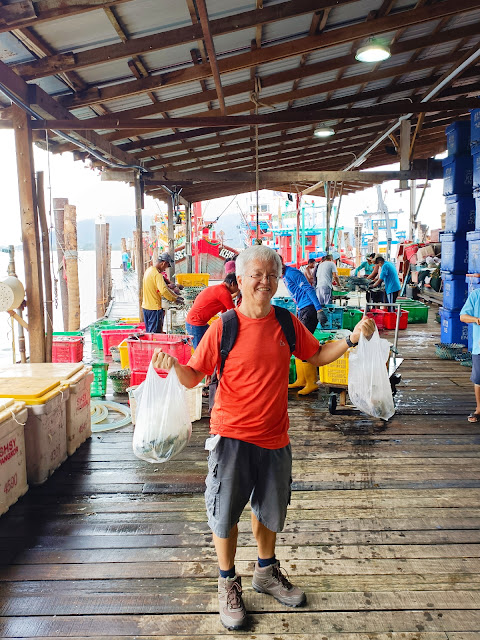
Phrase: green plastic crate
x=68 y=333
x=417 y=312
x=99 y=383
x=324 y=336
x=95 y=328
x=351 y=317
x=292 y=373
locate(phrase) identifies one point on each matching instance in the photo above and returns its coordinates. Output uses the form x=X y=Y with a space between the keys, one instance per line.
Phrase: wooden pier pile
x=383 y=529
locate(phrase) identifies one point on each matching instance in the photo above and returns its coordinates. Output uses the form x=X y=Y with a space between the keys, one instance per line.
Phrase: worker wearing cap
x=154 y=289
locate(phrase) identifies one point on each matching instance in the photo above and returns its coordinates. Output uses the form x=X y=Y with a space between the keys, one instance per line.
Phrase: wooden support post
x=108 y=265
x=171 y=235
x=58 y=211
x=139 y=264
x=123 y=243
x=197 y=212
x=154 y=243
x=375 y=238
x=188 y=238
x=71 y=266
x=413 y=210
x=405 y=130
x=101 y=259
x=47 y=276
x=358 y=241
x=30 y=236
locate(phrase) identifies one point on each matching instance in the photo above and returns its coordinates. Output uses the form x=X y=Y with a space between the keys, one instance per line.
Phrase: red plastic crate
x=113 y=337
x=137 y=377
x=390 y=320
x=67 y=349
x=140 y=351
x=378 y=316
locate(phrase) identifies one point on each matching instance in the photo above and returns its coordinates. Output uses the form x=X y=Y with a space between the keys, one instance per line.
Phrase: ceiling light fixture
x=323 y=131
x=372 y=51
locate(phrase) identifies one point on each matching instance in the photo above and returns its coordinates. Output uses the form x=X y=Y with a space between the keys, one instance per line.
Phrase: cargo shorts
x=238 y=472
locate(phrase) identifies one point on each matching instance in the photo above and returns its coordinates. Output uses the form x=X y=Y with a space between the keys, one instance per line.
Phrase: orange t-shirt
x=252 y=397
x=208 y=303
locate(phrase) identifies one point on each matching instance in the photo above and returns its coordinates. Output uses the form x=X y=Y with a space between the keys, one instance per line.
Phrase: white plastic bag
x=162 y=426
x=368 y=382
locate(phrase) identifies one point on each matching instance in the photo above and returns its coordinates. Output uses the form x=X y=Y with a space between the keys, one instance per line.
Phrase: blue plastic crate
x=455 y=252
x=452 y=330
x=476 y=166
x=473 y=238
x=475 y=126
x=459 y=213
x=455 y=290
x=457 y=175
x=334 y=317
x=285 y=302
x=473 y=282
x=458 y=138
x=476 y=197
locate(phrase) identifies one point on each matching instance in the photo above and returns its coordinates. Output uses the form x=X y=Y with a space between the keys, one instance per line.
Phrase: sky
x=66 y=178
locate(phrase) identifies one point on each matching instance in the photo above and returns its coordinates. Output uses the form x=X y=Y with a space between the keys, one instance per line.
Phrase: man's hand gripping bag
x=162 y=427
x=368 y=382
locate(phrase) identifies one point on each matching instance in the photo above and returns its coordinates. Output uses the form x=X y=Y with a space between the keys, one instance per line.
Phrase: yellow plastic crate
x=343 y=271
x=192 y=279
x=130 y=320
x=336 y=372
x=124 y=359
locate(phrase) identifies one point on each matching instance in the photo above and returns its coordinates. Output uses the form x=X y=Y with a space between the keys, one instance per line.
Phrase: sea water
x=87 y=285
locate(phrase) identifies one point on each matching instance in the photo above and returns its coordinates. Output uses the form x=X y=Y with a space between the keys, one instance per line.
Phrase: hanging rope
x=254 y=97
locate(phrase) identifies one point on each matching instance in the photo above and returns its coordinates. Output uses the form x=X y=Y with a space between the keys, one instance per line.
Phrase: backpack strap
x=229 y=335
x=284 y=318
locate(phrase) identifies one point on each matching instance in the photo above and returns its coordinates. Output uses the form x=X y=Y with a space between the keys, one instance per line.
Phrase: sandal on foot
x=474 y=417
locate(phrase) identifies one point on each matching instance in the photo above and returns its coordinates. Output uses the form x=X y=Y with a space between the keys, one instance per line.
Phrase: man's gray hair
x=260 y=253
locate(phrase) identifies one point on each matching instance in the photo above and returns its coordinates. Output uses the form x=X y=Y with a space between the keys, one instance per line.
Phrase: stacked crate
x=459 y=224
x=473 y=277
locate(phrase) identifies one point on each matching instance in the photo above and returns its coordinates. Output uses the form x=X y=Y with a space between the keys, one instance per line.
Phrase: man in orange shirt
x=208 y=303
x=250 y=455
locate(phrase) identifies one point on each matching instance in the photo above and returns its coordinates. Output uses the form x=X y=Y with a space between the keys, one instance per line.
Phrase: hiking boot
x=271 y=580
x=232 y=610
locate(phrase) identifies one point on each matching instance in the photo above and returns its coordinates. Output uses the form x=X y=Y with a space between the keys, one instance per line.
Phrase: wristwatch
x=350 y=343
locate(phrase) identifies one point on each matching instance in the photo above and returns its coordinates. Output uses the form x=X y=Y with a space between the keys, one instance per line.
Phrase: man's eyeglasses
x=260 y=276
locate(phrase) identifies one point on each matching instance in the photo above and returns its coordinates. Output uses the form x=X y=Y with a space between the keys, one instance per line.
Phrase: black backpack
x=229 y=335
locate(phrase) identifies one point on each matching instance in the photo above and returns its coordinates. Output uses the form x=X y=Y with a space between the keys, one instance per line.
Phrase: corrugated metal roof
x=12 y=50
x=75 y=33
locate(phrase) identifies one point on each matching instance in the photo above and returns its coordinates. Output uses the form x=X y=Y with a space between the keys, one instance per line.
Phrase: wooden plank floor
x=383 y=531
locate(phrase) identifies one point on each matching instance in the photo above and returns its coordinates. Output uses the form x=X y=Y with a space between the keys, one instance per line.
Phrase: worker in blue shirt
x=470 y=313
x=309 y=314
x=388 y=275
x=366 y=265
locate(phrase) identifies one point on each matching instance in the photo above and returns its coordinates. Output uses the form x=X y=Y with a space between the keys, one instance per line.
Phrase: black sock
x=266 y=562
x=229 y=573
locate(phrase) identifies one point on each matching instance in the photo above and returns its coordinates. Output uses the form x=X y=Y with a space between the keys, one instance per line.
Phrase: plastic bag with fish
x=162 y=426
x=368 y=382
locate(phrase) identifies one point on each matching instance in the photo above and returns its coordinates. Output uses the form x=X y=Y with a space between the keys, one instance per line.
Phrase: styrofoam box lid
x=473 y=235
x=27 y=388
x=6 y=402
x=57 y=370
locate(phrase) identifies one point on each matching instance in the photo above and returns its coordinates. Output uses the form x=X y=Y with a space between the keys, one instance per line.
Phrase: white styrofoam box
x=79 y=420
x=13 y=470
x=46 y=436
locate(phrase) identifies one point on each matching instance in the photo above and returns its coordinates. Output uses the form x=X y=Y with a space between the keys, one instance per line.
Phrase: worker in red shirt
x=209 y=303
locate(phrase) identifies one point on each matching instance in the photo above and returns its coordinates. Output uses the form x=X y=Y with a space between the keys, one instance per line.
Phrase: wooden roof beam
x=384 y=109
x=171 y=38
x=212 y=56
x=28 y=14
x=269 y=54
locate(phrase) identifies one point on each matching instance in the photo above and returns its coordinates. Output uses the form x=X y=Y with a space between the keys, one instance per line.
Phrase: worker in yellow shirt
x=154 y=288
